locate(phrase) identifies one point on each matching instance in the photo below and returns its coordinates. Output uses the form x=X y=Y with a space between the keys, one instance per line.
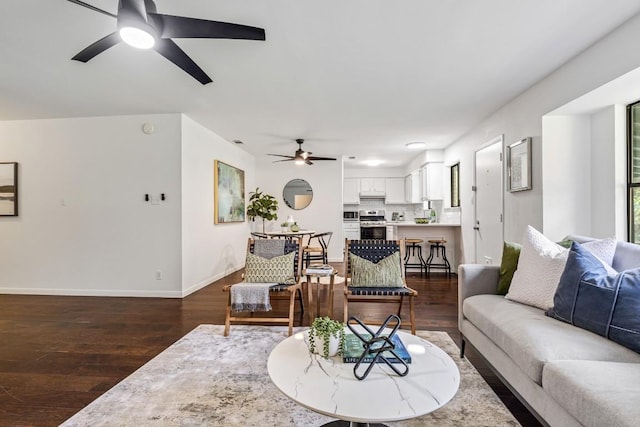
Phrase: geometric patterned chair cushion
x=279 y=269
x=386 y=273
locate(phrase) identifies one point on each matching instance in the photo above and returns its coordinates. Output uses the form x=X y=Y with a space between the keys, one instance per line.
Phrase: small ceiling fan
x=140 y=26
x=301 y=157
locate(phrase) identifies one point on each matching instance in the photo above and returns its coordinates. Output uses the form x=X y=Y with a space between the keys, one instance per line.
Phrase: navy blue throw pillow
x=608 y=305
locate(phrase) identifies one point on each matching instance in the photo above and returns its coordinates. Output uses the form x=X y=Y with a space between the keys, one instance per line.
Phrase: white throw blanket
x=251 y=296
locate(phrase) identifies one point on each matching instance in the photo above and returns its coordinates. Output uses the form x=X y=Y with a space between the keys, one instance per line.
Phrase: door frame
x=494 y=140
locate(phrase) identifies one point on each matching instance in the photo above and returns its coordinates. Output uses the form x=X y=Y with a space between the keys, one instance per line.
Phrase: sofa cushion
x=606 y=304
x=596 y=393
x=627 y=256
x=540 y=266
x=532 y=339
x=508 y=265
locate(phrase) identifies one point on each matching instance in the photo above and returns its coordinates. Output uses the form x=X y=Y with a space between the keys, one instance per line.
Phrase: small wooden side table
x=331 y=275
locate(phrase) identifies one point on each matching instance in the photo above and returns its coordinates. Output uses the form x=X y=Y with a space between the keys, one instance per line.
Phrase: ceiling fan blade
x=282 y=155
x=184 y=27
x=171 y=51
x=285 y=160
x=320 y=158
x=89 y=6
x=309 y=162
x=98 y=47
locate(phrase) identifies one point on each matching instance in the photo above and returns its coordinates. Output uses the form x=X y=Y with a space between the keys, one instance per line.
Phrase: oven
x=372 y=225
x=373 y=232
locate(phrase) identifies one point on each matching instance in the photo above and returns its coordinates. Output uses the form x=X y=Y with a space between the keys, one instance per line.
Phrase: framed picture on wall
x=519 y=165
x=9 y=189
x=228 y=198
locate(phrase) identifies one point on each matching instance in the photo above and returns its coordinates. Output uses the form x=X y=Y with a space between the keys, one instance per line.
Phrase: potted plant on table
x=262 y=205
x=326 y=337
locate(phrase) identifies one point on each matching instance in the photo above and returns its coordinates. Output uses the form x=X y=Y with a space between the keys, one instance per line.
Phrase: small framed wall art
x=519 y=165
x=228 y=193
x=9 y=189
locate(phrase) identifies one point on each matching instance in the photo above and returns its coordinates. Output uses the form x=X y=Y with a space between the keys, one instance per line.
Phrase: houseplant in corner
x=326 y=337
x=262 y=205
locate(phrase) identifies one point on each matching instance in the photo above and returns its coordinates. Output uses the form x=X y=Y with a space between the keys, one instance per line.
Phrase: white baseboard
x=118 y=292
x=92 y=292
x=208 y=281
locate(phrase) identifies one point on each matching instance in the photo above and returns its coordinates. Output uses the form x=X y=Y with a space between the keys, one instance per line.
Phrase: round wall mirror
x=297 y=194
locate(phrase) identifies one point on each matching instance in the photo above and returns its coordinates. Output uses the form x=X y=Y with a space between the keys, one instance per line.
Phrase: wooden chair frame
x=382 y=294
x=279 y=292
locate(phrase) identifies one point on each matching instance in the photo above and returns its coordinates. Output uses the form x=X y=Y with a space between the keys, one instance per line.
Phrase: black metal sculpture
x=377 y=345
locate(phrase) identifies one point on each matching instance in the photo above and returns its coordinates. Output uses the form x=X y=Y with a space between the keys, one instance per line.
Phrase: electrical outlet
x=488 y=260
x=158 y=275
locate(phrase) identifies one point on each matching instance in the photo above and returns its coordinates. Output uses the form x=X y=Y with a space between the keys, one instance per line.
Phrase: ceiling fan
x=140 y=26
x=301 y=157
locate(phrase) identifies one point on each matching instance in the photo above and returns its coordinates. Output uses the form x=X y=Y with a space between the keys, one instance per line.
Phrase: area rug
x=205 y=379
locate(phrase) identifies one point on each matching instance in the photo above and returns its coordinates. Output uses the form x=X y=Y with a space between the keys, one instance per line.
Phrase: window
x=455 y=185
x=633 y=119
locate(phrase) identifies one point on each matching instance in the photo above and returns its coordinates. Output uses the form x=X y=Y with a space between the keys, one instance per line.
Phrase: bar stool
x=413 y=247
x=438 y=250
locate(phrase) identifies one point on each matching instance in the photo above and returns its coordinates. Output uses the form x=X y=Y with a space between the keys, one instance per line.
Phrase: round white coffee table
x=328 y=386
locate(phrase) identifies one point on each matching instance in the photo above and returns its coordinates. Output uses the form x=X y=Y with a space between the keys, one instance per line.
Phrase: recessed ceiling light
x=418 y=145
x=373 y=162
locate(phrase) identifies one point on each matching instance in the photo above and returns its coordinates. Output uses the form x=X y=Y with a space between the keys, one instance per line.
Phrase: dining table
x=288 y=234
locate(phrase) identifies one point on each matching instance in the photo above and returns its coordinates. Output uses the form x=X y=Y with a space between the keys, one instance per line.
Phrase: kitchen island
x=449 y=232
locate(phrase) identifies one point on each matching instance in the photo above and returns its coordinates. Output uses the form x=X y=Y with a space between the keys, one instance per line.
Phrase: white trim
x=208 y=281
x=92 y=292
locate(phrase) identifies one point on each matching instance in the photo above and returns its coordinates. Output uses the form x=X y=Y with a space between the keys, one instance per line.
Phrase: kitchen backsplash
x=447 y=215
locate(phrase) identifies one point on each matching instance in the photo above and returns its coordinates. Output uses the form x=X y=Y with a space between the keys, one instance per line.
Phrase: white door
x=488 y=202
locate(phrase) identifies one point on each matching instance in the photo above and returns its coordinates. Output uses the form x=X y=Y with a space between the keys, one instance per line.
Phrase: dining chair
x=374 y=273
x=317 y=248
x=279 y=291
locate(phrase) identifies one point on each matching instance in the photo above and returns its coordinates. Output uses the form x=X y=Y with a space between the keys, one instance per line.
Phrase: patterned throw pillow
x=386 y=273
x=275 y=270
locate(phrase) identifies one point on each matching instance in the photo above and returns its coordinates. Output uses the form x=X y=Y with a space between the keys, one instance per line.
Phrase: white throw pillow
x=604 y=250
x=541 y=264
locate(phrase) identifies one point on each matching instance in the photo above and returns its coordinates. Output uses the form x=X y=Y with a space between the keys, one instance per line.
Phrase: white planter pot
x=334 y=344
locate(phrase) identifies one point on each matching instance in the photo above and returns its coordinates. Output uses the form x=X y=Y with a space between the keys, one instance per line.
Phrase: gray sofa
x=565 y=375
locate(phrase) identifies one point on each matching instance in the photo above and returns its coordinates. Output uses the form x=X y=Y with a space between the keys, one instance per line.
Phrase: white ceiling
x=353 y=77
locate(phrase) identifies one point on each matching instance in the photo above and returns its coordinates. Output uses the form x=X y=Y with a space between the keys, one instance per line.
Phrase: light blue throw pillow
x=606 y=304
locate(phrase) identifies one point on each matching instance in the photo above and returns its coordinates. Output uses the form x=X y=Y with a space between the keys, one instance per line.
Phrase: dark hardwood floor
x=60 y=353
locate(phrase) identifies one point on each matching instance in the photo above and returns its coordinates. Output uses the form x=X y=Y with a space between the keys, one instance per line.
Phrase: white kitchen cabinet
x=394 y=191
x=351 y=230
x=432 y=181
x=407 y=188
x=351 y=191
x=372 y=187
x=415 y=192
x=390 y=232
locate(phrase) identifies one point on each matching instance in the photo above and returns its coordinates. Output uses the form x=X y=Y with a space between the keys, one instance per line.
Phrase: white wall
x=209 y=251
x=84 y=227
x=566 y=174
x=603 y=216
x=325 y=211
x=522 y=117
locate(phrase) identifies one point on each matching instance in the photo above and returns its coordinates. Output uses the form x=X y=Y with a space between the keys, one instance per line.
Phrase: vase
x=334 y=345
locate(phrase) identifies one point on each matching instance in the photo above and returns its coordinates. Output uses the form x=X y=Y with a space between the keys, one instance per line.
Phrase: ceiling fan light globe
x=299 y=162
x=137 y=37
